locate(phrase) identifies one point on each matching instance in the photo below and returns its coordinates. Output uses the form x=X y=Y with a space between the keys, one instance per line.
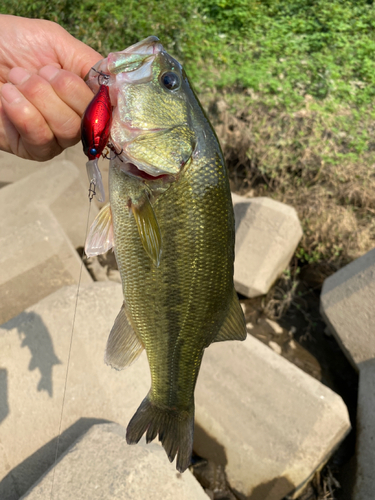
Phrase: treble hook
x=104 y=75
x=112 y=148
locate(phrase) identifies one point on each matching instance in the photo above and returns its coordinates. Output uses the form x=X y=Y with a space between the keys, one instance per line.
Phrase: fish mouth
x=150 y=45
x=132 y=65
x=133 y=170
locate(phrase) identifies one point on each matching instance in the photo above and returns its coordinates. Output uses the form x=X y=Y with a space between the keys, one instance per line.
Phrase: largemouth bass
x=170 y=221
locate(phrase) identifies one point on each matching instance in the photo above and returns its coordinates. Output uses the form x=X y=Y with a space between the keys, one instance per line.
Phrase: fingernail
x=17 y=76
x=48 y=72
x=11 y=94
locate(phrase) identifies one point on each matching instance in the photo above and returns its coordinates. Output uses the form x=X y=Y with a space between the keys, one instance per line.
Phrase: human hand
x=41 y=107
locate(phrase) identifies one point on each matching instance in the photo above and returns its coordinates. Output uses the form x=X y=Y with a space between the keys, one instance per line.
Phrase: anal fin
x=234 y=326
x=123 y=345
x=148 y=228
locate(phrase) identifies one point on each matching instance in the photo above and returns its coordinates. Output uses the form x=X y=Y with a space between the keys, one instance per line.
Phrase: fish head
x=151 y=127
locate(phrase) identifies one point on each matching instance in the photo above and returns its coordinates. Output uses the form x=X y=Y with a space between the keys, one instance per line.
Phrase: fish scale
x=190 y=271
x=172 y=229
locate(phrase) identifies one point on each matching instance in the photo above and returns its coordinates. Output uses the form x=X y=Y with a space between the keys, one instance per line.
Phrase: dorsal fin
x=123 y=345
x=234 y=326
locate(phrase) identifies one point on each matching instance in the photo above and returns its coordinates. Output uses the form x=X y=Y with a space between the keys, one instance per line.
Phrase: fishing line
x=90 y=195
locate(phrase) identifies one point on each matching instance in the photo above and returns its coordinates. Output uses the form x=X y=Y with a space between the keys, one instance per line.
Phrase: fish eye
x=170 y=80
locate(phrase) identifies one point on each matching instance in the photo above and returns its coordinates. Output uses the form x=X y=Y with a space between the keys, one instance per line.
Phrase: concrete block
x=365 y=477
x=347 y=304
x=57 y=187
x=13 y=168
x=267 y=234
x=34 y=350
x=267 y=421
x=101 y=466
x=36 y=259
x=76 y=155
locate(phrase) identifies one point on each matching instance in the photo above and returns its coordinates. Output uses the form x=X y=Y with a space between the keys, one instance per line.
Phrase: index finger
x=69 y=87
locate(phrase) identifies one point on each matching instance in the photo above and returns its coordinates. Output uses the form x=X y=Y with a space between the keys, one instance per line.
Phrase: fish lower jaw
x=133 y=170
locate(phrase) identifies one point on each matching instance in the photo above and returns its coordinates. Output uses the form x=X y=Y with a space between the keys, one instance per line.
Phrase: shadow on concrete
x=34 y=335
x=206 y=446
x=21 y=478
x=278 y=488
x=4 y=405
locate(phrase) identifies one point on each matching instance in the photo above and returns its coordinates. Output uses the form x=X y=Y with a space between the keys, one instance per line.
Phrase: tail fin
x=175 y=429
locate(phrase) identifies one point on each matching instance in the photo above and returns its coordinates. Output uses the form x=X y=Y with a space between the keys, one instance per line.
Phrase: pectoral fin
x=100 y=237
x=234 y=326
x=123 y=345
x=148 y=228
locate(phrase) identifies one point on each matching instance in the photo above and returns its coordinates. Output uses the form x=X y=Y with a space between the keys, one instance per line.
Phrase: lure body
x=95 y=130
x=96 y=124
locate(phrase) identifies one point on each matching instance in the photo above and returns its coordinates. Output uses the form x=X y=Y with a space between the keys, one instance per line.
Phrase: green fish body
x=170 y=220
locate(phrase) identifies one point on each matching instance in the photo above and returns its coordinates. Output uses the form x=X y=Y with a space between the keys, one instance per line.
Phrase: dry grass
x=322 y=487
x=320 y=163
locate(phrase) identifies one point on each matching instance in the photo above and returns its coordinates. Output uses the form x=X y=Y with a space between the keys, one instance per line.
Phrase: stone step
x=267 y=235
x=101 y=466
x=14 y=168
x=44 y=220
x=36 y=259
x=57 y=187
x=254 y=410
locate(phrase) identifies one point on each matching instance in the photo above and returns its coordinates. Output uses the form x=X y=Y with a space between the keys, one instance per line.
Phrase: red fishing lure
x=95 y=129
x=96 y=124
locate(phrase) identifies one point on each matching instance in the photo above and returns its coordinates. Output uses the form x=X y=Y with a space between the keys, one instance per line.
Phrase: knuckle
x=68 y=85
x=47 y=151
x=36 y=90
x=68 y=128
